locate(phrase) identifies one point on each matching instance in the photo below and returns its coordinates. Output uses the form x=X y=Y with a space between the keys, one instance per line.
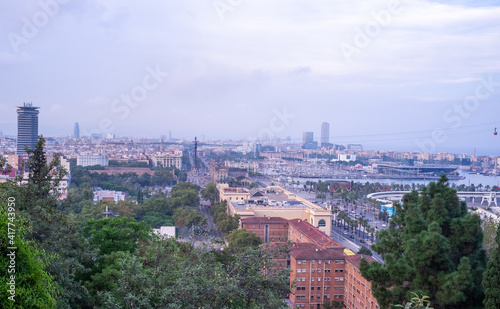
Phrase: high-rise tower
x=325 y=133
x=27 y=127
x=76 y=130
x=307 y=137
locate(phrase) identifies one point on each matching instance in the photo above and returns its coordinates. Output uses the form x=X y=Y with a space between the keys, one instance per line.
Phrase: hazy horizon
x=396 y=75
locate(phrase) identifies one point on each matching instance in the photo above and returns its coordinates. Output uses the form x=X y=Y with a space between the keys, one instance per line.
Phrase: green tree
x=115 y=234
x=53 y=231
x=155 y=219
x=365 y=250
x=32 y=286
x=241 y=239
x=210 y=192
x=186 y=216
x=333 y=305
x=491 y=278
x=417 y=302
x=226 y=224
x=432 y=247
x=490 y=228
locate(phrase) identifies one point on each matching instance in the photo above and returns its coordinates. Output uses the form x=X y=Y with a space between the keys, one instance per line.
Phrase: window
x=321 y=223
x=259 y=226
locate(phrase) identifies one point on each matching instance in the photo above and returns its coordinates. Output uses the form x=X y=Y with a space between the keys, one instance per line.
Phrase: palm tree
x=363 y=223
x=371 y=230
x=355 y=225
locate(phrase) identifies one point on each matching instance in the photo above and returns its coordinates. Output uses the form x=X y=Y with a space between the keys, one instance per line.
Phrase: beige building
x=275 y=201
x=167 y=159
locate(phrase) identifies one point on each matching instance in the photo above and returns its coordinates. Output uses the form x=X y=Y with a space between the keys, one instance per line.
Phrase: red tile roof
x=355 y=259
x=308 y=251
x=315 y=235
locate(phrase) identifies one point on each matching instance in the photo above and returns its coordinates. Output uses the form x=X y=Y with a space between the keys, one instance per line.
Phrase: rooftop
x=264 y=220
x=308 y=251
x=355 y=259
x=316 y=236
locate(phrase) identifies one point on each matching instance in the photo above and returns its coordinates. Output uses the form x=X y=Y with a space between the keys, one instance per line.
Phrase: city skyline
x=378 y=72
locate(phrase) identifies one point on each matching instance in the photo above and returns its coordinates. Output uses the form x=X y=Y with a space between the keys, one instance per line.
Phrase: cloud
x=227 y=75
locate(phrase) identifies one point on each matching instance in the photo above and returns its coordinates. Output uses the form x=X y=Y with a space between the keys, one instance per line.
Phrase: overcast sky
x=404 y=75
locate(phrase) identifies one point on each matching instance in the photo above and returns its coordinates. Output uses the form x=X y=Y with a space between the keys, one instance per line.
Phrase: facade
x=89 y=159
x=346 y=157
x=269 y=229
x=321 y=268
x=167 y=159
x=358 y=292
x=106 y=195
x=232 y=194
x=325 y=133
x=318 y=273
x=76 y=130
x=218 y=173
x=165 y=231
x=275 y=201
x=27 y=127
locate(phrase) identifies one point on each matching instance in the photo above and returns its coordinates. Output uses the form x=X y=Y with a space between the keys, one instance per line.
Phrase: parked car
x=352 y=236
x=362 y=240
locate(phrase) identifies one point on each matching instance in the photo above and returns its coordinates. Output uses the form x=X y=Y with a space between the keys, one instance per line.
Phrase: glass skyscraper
x=27 y=127
x=76 y=131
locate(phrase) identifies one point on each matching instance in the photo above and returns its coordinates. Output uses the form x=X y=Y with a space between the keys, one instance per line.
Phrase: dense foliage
x=69 y=256
x=491 y=278
x=433 y=246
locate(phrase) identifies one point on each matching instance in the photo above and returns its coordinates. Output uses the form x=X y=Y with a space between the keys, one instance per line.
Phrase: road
x=211 y=226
